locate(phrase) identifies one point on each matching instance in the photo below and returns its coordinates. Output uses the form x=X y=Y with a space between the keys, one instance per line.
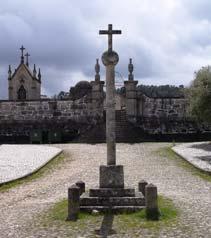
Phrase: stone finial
x=9 y=73
x=27 y=58
x=34 y=71
x=39 y=75
x=130 y=69
x=97 y=70
x=141 y=186
x=81 y=185
x=22 y=57
x=73 y=203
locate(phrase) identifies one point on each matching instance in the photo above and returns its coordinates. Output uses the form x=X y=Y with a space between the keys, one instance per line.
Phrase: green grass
x=41 y=172
x=59 y=212
x=170 y=154
x=56 y=216
x=123 y=222
x=168 y=211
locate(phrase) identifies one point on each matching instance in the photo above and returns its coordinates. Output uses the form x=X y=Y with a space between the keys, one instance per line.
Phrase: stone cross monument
x=111 y=194
x=110 y=58
x=111 y=176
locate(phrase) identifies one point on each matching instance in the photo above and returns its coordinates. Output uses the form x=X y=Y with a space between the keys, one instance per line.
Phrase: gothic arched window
x=22 y=93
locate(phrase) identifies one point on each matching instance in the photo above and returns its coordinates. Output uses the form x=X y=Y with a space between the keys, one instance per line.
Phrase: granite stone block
x=111 y=176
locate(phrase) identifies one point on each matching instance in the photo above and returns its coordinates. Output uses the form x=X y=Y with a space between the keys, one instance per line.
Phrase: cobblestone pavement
x=198 y=154
x=20 y=206
x=17 y=161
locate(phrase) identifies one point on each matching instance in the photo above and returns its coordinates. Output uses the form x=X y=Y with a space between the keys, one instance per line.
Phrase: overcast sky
x=167 y=39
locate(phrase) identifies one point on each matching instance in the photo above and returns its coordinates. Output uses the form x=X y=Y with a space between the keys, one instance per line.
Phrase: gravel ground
x=17 y=161
x=20 y=206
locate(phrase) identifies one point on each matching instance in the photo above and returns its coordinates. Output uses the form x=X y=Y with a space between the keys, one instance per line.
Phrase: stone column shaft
x=110 y=115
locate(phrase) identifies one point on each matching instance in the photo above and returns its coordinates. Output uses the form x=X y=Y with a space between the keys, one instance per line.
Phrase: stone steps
x=125 y=131
x=113 y=209
x=112 y=201
x=114 y=192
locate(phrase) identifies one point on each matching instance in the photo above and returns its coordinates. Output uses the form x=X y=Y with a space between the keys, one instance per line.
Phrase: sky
x=168 y=40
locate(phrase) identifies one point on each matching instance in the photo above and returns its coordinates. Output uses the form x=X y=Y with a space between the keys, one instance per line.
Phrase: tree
x=199 y=95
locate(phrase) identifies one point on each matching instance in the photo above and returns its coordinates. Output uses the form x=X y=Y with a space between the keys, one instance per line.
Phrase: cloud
x=167 y=39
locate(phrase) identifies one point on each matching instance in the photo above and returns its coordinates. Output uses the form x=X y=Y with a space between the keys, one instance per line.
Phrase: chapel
x=24 y=83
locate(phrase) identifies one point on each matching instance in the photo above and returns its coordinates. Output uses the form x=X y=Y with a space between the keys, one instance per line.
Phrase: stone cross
x=22 y=50
x=110 y=58
x=110 y=32
x=27 y=58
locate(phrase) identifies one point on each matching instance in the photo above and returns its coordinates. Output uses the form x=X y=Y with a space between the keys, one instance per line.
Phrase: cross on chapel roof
x=27 y=58
x=22 y=57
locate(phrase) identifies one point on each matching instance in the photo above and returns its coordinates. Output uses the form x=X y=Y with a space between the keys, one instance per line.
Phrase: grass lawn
x=123 y=223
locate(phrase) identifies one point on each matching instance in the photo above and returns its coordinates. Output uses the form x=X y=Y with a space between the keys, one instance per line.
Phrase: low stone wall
x=162 y=126
x=70 y=118
x=162 y=107
x=48 y=110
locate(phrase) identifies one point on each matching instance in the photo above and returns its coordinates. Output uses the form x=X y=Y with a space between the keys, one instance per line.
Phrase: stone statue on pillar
x=131 y=94
x=97 y=70
x=130 y=69
x=97 y=88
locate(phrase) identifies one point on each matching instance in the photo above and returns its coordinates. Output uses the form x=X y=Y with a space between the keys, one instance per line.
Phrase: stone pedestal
x=111 y=176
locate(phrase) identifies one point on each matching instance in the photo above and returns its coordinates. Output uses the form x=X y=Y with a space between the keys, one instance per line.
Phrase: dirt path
x=190 y=193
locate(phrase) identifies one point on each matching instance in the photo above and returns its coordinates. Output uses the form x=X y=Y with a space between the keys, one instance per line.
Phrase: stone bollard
x=73 y=203
x=81 y=185
x=151 y=198
x=141 y=186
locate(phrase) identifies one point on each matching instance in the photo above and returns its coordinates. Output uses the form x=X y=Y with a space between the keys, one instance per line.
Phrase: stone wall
x=162 y=107
x=70 y=118
x=48 y=110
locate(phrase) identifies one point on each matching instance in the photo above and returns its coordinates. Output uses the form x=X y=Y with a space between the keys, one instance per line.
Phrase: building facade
x=24 y=83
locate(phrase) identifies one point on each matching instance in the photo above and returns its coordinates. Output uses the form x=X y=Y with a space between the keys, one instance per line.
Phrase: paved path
x=198 y=154
x=17 y=161
x=20 y=206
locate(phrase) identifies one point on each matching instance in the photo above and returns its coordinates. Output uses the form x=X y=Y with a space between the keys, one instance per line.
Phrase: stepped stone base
x=114 y=209
x=112 y=192
x=111 y=196
x=115 y=200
